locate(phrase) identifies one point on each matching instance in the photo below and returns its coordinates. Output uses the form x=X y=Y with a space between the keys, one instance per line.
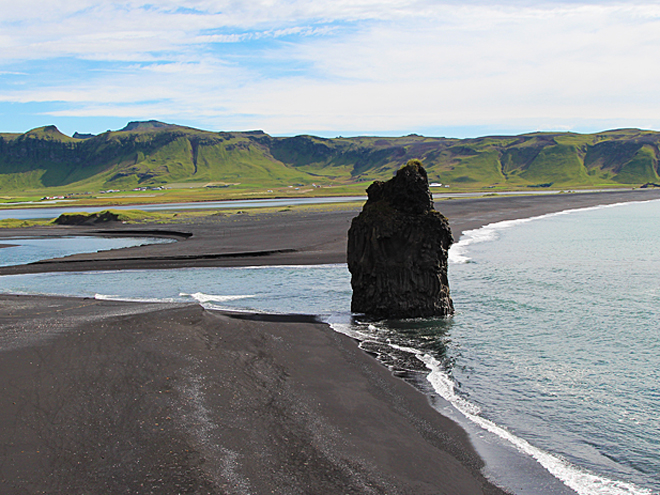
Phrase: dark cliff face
x=397 y=250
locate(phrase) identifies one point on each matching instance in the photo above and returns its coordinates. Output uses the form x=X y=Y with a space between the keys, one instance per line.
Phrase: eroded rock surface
x=397 y=250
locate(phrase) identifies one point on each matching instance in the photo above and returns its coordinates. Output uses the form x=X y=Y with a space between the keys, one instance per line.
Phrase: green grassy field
x=153 y=162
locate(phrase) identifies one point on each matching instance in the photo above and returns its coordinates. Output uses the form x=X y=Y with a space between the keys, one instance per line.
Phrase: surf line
x=490 y=232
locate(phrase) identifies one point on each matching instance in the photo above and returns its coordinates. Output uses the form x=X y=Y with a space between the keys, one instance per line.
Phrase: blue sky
x=346 y=67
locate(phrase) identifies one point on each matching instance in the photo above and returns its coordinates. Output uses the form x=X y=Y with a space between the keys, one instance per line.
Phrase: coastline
x=110 y=397
x=567 y=232
x=385 y=437
x=287 y=237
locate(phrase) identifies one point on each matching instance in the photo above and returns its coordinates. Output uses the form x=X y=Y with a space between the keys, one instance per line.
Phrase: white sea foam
x=106 y=297
x=345 y=329
x=351 y=331
x=490 y=232
x=458 y=251
x=578 y=479
x=110 y=297
x=210 y=298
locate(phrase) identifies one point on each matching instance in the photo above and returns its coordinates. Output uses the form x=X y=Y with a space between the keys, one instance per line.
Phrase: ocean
x=551 y=362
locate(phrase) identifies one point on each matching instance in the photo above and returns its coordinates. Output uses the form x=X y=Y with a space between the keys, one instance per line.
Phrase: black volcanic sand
x=288 y=237
x=103 y=397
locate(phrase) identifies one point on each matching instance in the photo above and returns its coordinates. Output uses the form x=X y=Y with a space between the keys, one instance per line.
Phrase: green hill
x=149 y=154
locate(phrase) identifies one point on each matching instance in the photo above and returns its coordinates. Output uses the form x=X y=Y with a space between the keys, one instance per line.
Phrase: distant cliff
x=153 y=153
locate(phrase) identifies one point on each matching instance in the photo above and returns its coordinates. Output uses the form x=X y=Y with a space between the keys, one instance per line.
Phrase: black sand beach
x=287 y=237
x=102 y=397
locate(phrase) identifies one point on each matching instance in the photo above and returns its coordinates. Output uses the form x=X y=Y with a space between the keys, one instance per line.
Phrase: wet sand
x=109 y=397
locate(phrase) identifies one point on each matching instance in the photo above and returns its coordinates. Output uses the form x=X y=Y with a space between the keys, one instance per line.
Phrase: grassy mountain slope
x=153 y=153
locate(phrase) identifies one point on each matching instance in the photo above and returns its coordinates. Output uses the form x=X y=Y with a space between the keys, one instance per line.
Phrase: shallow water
x=552 y=358
x=24 y=250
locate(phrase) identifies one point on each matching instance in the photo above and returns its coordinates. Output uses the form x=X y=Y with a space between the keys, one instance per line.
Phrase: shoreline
x=109 y=397
x=591 y=477
x=287 y=237
x=383 y=475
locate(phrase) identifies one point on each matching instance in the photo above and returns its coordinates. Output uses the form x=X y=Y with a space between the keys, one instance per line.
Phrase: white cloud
x=362 y=66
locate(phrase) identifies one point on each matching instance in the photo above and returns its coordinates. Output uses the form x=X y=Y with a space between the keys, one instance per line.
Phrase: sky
x=454 y=68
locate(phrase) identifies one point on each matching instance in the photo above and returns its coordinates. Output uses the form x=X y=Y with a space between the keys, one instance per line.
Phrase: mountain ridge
x=152 y=153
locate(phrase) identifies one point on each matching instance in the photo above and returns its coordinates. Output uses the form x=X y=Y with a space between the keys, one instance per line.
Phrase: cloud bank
x=432 y=67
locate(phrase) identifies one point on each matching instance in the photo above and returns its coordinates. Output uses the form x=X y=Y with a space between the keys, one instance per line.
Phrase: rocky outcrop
x=78 y=135
x=397 y=250
x=86 y=218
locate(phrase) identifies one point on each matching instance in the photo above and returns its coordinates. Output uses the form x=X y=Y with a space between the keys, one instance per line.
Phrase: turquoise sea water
x=551 y=362
x=558 y=340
